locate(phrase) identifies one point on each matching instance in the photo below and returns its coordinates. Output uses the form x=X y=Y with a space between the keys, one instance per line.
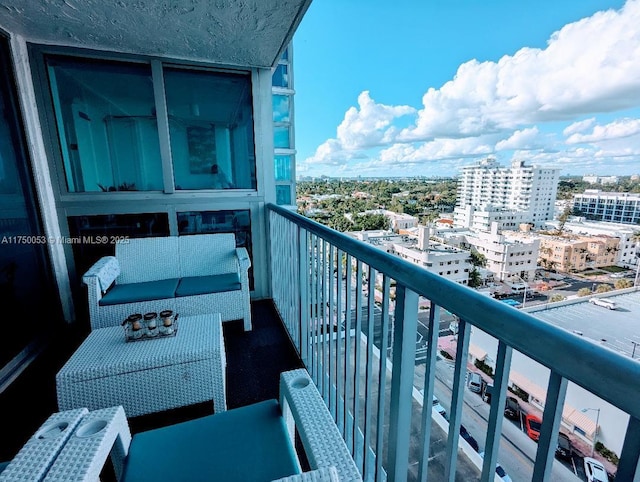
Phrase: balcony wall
x=357 y=349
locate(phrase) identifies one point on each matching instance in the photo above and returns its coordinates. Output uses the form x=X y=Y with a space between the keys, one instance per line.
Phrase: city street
x=517 y=451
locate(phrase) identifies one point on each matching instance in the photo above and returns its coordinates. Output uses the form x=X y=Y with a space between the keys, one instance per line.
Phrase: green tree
x=369 y=222
x=478 y=259
x=475 y=280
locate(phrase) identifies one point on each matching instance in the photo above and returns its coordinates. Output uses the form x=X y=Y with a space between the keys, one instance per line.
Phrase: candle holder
x=150 y=326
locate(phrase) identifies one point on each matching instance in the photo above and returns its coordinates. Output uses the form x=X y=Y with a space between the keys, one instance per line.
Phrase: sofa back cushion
x=148 y=259
x=207 y=254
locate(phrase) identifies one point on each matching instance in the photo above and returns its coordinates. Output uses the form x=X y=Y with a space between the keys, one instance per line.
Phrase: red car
x=532 y=424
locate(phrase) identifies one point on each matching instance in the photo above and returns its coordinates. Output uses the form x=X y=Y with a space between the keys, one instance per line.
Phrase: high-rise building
x=521 y=192
x=615 y=207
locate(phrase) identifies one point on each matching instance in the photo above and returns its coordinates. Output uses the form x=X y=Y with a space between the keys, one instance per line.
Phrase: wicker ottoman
x=147 y=376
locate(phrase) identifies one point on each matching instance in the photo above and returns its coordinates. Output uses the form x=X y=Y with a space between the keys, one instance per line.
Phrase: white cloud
x=579 y=126
x=437 y=149
x=367 y=126
x=588 y=67
x=592 y=65
x=615 y=130
x=522 y=139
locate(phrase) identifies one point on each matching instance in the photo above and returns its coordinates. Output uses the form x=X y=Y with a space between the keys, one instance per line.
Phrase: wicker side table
x=147 y=376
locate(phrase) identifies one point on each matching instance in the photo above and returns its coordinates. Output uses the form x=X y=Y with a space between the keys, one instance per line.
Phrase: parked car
x=512 y=408
x=499 y=471
x=604 y=302
x=438 y=407
x=467 y=436
x=532 y=425
x=594 y=470
x=564 y=449
x=474 y=382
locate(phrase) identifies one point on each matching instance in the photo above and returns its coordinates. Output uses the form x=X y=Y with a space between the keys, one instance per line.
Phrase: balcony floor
x=254 y=362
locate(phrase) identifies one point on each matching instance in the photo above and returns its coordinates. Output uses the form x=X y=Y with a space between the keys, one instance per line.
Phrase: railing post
x=496 y=412
x=551 y=418
x=630 y=452
x=404 y=356
x=305 y=282
x=457 y=397
x=429 y=382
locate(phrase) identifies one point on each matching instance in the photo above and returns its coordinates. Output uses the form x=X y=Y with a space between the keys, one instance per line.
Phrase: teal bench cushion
x=244 y=444
x=202 y=285
x=144 y=291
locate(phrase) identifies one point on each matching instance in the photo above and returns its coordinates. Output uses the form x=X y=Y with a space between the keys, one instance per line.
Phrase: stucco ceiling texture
x=229 y=32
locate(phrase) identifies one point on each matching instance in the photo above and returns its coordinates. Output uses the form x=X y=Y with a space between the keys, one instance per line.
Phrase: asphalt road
x=517 y=451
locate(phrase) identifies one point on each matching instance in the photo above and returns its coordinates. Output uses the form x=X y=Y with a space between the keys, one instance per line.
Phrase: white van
x=474 y=382
x=604 y=302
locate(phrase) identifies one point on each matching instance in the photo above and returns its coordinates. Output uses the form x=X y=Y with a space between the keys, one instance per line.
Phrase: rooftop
x=615 y=329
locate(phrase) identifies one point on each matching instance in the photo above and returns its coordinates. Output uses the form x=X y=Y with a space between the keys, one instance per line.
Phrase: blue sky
x=414 y=87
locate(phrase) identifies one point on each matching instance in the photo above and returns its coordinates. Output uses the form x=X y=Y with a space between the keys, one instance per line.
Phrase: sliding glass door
x=26 y=287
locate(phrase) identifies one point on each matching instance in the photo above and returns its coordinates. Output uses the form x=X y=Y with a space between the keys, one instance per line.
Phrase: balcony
x=361 y=352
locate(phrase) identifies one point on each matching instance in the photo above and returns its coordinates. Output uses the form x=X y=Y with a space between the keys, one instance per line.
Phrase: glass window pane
x=211 y=129
x=281 y=137
x=283 y=195
x=281 y=108
x=106 y=121
x=283 y=168
x=285 y=54
x=281 y=76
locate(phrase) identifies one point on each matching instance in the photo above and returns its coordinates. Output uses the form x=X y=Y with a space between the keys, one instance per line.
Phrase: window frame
x=45 y=100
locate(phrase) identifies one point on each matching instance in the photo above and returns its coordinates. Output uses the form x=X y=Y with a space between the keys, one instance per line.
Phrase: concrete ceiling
x=230 y=32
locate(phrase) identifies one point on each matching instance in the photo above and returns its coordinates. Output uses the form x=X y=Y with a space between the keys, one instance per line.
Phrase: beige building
x=577 y=253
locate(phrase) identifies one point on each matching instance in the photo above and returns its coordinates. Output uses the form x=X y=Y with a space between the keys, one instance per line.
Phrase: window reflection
x=281 y=76
x=211 y=129
x=106 y=121
x=283 y=168
x=283 y=194
x=281 y=108
x=281 y=137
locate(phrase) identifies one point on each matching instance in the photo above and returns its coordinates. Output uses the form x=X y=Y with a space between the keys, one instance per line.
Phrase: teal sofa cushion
x=136 y=292
x=202 y=285
x=244 y=444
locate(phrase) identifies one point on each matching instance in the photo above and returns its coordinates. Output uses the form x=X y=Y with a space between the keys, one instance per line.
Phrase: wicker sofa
x=192 y=275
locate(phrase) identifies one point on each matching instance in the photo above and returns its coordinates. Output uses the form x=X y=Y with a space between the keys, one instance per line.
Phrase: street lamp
x=635 y=281
x=524 y=296
x=595 y=432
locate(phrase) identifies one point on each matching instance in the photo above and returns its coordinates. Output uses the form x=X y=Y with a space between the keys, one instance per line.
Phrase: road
x=517 y=451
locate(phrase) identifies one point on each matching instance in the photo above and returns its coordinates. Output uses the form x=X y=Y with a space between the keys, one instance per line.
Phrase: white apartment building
x=438 y=258
x=492 y=188
x=616 y=207
x=482 y=219
x=510 y=255
x=628 y=246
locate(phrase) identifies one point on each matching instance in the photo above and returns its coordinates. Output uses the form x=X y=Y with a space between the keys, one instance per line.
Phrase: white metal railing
x=313 y=271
